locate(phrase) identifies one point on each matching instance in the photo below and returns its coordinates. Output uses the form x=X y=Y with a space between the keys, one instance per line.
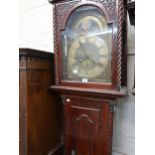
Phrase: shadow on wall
x=124 y=121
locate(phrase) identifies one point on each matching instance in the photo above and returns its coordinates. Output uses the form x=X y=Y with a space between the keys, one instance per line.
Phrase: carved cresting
x=110 y=6
x=107 y=2
x=63 y=9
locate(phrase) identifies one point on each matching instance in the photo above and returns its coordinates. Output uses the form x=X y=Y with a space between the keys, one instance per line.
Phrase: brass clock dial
x=90 y=24
x=87 y=57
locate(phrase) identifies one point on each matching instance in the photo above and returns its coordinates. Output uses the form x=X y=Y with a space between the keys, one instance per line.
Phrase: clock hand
x=84 y=51
x=78 y=59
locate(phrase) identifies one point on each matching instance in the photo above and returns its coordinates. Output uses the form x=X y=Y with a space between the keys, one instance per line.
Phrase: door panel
x=87 y=126
x=85 y=129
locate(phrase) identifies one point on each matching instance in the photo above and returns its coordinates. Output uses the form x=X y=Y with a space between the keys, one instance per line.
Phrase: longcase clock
x=90 y=70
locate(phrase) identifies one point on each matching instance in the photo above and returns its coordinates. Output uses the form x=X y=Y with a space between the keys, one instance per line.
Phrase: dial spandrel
x=88 y=42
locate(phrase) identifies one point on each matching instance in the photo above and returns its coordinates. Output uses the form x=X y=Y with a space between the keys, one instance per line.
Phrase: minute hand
x=85 y=53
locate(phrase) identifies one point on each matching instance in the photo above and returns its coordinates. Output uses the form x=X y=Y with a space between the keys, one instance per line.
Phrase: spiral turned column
x=120 y=40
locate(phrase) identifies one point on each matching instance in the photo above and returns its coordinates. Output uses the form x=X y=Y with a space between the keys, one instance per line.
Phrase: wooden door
x=88 y=126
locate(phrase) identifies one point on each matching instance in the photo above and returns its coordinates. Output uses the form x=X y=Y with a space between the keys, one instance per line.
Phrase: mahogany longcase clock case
x=90 y=70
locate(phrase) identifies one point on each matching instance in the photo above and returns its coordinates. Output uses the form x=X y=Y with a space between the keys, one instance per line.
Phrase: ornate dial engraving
x=87 y=64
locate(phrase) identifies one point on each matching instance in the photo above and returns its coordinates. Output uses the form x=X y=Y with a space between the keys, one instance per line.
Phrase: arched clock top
x=100 y=9
x=64 y=10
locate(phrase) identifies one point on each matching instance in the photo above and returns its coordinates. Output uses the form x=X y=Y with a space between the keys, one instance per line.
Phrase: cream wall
x=36 y=25
x=124 y=124
x=36 y=32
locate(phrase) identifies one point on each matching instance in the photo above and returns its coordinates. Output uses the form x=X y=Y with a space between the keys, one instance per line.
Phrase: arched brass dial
x=87 y=47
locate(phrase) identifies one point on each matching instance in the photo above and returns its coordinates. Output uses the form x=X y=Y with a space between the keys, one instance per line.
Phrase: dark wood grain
x=40 y=110
x=89 y=107
x=97 y=93
x=62 y=11
x=88 y=126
